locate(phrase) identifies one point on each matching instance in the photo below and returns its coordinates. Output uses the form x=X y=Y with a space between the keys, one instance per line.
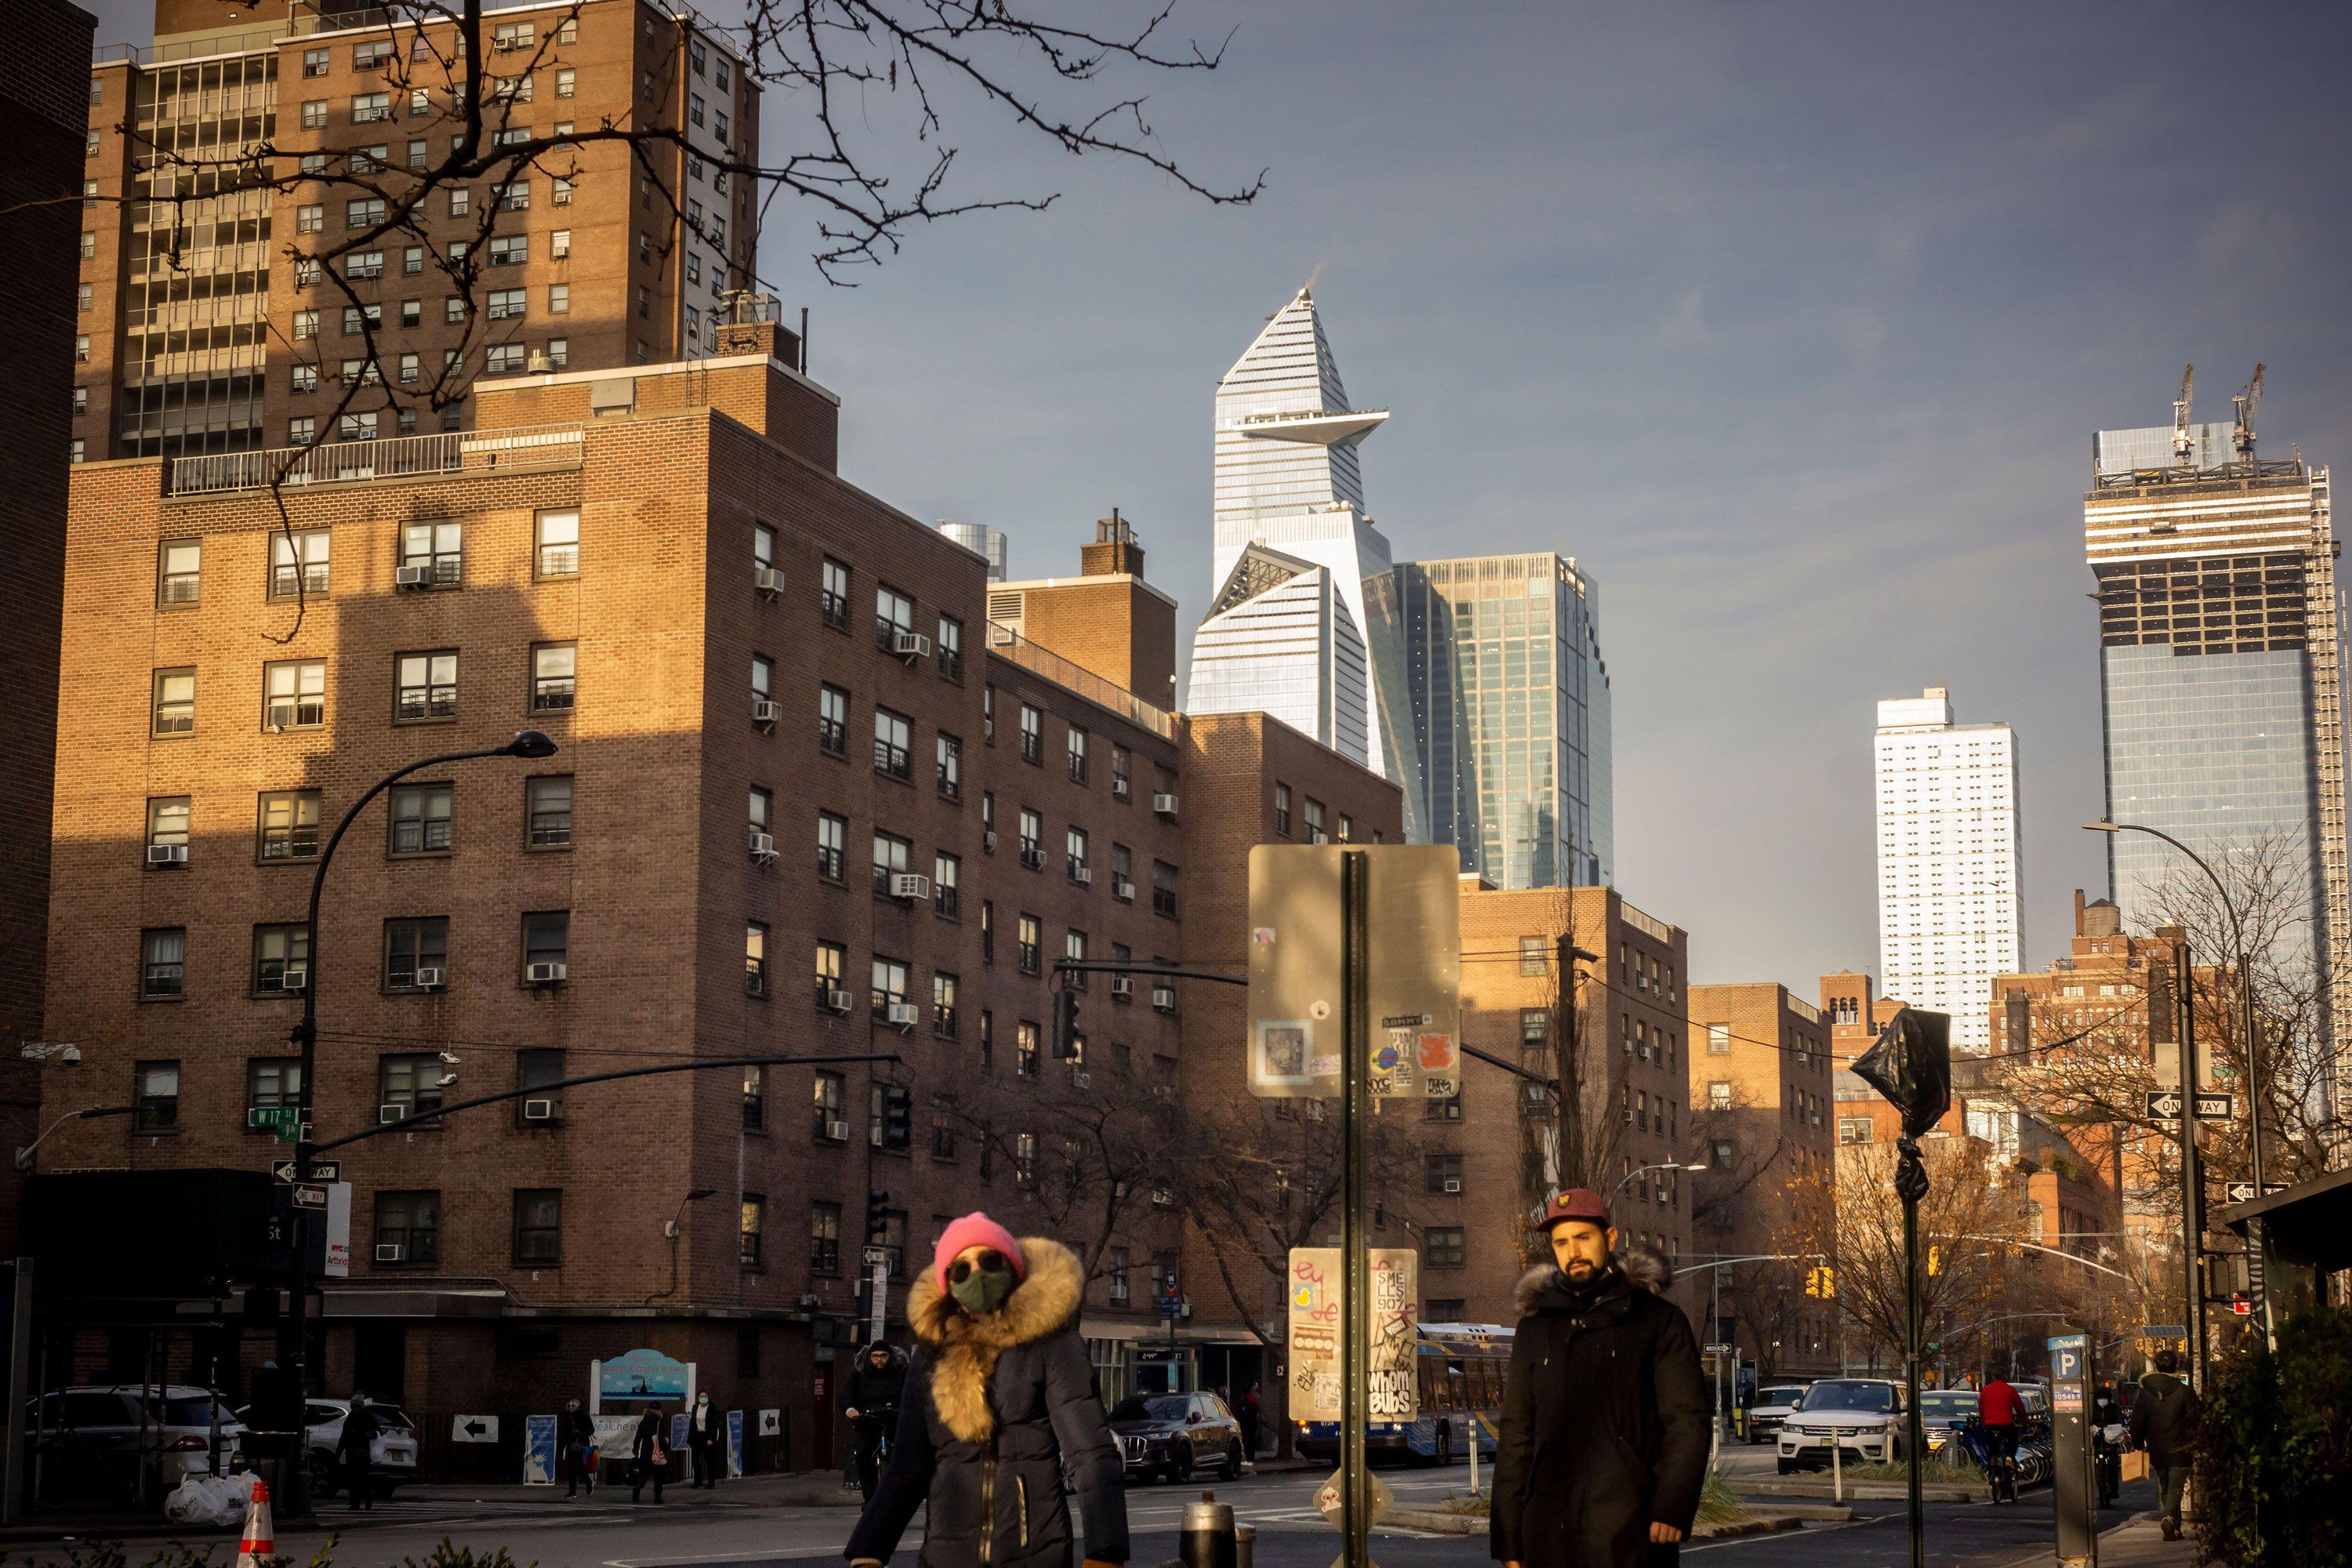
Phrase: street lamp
x=530 y=744
x=2246 y=1000
x=25 y=1154
x=1662 y=1165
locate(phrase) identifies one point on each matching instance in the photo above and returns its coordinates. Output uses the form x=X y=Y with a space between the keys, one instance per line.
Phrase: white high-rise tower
x=1287 y=632
x=1949 y=876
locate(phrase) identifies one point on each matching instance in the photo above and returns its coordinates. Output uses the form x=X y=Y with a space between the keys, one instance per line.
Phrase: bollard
x=1245 y=1545
x=1207 y=1541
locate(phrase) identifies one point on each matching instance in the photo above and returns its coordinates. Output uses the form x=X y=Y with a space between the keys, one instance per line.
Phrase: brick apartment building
x=204 y=323
x=41 y=69
x=1763 y=1121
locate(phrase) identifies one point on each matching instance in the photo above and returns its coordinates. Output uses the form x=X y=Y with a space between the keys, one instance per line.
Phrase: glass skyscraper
x=1500 y=659
x=2220 y=675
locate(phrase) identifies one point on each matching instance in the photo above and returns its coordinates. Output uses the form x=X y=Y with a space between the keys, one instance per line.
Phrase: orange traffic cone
x=260 y=1543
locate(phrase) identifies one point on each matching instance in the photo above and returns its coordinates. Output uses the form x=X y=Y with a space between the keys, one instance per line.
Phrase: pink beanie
x=975 y=1229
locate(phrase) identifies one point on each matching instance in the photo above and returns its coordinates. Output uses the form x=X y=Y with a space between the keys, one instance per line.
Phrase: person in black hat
x=1605 y=1436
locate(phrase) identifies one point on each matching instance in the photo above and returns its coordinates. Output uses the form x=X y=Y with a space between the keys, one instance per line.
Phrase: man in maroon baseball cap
x=1605 y=1413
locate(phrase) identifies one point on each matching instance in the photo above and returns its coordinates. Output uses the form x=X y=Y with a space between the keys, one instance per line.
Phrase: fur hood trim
x=964 y=1348
x=1647 y=1270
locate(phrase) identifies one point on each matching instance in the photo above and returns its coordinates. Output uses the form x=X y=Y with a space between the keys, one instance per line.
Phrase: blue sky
x=1790 y=321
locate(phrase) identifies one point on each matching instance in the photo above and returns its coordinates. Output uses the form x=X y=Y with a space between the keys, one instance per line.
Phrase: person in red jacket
x=1999 y=1411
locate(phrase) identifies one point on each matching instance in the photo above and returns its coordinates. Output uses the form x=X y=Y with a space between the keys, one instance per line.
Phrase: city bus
x=1460 y=1368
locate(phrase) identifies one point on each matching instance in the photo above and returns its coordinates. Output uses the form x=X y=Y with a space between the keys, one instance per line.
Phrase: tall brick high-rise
x=206 y=324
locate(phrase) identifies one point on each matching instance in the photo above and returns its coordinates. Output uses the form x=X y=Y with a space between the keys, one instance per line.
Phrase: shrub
x=2275 y=1449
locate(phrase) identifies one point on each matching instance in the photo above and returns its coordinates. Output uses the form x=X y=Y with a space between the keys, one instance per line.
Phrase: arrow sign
x=309 y=1196
x=2214 y=1107
x=474 y=1429
x=2164 y=1104
x=321 y=1171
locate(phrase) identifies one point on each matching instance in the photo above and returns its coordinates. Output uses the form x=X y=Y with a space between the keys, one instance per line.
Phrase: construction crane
x=2180 y=442
x=2246 y=402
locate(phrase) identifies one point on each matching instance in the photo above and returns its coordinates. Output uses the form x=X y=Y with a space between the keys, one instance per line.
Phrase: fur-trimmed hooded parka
x=1604 y=1421
x=996 y=1408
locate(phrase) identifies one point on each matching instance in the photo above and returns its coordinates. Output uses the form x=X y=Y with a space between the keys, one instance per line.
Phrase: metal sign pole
x=1355 y=1034
x=2192 y=1181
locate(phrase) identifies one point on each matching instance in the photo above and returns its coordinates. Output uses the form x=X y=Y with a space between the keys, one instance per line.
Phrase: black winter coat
x=996 y=1409
x=650 y=1426
x=1604 y=1423
x=867 y=1391
x=356 y=1443
x=2164 y=1419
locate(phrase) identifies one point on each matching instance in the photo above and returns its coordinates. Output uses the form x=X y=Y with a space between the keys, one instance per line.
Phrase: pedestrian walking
x=575 y=1434
x=2107 y=1432
x=355 y=1448
x=2164 y=1422
x=1604 y=1434
x=2000 y=1409
x=1001 y=1426
x=702 y=1440
x=1250 y=1415
x=649 y=1455
x=869 y=1397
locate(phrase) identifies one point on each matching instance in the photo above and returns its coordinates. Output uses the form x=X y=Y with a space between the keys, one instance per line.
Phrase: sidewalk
x=2141 y=1544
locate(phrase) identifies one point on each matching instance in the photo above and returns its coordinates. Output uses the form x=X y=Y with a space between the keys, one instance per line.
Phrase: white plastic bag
x=217 y=1501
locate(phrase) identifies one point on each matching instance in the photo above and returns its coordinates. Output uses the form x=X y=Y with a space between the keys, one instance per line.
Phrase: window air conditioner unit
x=902 y=1015
x=911 y=644
x=988 y=841
x=390 y=1252
x=430 y=979
x=539 y=1111
x=390 y=1113
x=1122 y=985
x=414 y=577
x=837 y=1131
x=1084 y=876
x=1120 y=789
x=167 y=854
x=1034 y=858
x=538 y=364
x=765 y=710
x=1453 y=1183
x=836 y=1000
x=293 y=978
x=1121 y=887
x=909 y=885
x=1081 y=1080
x=1164 y=998
x=544 y=974
x=1163 y=804
x=762 y=845
x=768 y=580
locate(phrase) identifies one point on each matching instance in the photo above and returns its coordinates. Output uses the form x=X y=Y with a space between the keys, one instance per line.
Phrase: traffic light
x=1829 y=1282
x=1066 y=1023
x=1820 y=1282
x=897 y=1116
x=2242 y=1304
x=1931 y=1347
x=877 y=1223
x=1935 y=1262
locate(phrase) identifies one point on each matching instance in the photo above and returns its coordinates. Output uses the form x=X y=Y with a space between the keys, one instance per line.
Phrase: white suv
x=1857 y=1419
x=1771 y=1409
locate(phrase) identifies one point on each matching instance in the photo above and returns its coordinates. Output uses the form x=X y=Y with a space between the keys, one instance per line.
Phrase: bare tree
x=1761 y=1183
x=1969 y=1197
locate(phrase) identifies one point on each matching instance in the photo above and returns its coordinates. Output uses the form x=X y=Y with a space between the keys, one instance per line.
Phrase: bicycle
x=883 y=1422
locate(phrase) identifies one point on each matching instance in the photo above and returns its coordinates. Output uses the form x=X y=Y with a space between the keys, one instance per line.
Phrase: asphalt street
x=738 y=1527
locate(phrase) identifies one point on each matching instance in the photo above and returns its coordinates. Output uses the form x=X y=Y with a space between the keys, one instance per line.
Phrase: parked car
x=1771 y=1409
x=1944 y=1411
x=1173 y=1435
x=1854 y=1418
x=394 y=1453
x=94 y=1440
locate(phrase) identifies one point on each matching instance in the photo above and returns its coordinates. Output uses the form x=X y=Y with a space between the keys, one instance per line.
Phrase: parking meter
x=2073 y=1458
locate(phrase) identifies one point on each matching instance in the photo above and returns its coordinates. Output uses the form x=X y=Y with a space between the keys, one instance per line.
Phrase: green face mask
x=981 y=1290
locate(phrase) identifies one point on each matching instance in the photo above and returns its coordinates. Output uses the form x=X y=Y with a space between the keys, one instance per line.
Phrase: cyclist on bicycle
x=869 y=1397
x=1998 y=1412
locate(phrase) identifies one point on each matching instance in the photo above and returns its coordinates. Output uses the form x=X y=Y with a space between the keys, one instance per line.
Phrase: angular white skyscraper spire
x=1287 y=480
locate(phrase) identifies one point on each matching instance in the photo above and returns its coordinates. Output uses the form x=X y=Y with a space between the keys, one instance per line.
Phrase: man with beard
x=1604 y=1435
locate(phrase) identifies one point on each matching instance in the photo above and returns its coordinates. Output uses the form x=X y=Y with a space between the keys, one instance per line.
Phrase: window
x=374 y=55
x=1444 y=1173
x=893 y=734
x=950 y=649
x=363 y=264
x=546 y=944
x=156 y=1092
x=1535 y=1026
x=415 y=951
x=752 y=1229
x=554 y=668
x=289 y=828
x=411 y=1082
x=167 y=821
x=1163 y=888
x=294 y=695
x=987 y=1039
x=1446 y=1110
x=1723 y=1154
x=1315 y=834
x=436 y=549
x=357 y=427
x=830 y=1125
x=1718 y=1039
x=175 y=701
x=366 y=109
x=1855 y=1129
x=271 y=1083
x=559 y=350
x=1534 y=955
x=833 y=720
x=1025 y=1049
x=761 y=809
x=946 y=871
x=943 y=1005
x=538 y=1227
x=1033 y=736
x=162 y=962
x=832 y=966
x=547 y=810
x=509 y=304
x=1718 y=1095
x=755 y=1098
x=951 y=766
x=424 y=686
x=1077 y=754
x=1074 y=844
x=893 y=856
x=419 y=815
x=1346 y=828
x=824 y=1240
x=566 y=81
x=1443 y=1246
x=560 y=193
x=314 y=63
x=1122 y=873
x=540 y=1069
x=363 y=214
x=179 y=571
x=894 y=613
x=1033 y=840
x=503 y=359
x=1282 y=809
x=988 y=715
x=407 y=1229
x=1074 y=948
x=510 y=250
x=832 y=847
x=81 y=348
x=987 y=931
x=453 y=311
x=299 y=566
x=1031 y=939
x=755 y=959
x=314 y=113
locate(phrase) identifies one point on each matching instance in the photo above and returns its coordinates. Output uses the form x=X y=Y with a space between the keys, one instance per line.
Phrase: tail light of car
x=189 y=1444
